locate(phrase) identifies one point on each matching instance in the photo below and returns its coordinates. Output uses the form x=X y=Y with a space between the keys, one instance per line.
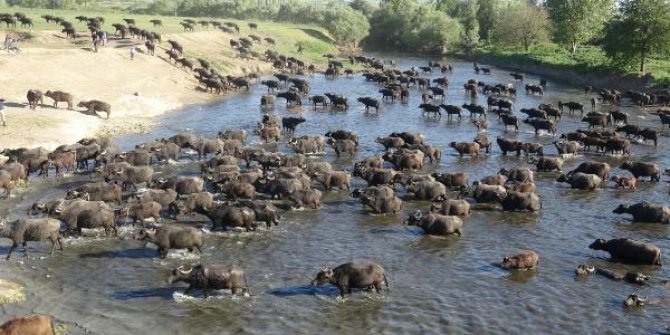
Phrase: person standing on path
x=2 y=113
x=132 y=52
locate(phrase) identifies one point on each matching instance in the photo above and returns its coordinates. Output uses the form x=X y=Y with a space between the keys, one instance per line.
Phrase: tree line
x=628 y=31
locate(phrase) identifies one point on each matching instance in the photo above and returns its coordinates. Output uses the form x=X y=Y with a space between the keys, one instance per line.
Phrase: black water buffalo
x=210 y=278
x=34 y=96
x=629 y=251
x=646 y=212
x=452 y=180
x=452 y=207
x=369 y=103
x=353 y=275
x=643 y=169
x=547 y=164
x=508 y=145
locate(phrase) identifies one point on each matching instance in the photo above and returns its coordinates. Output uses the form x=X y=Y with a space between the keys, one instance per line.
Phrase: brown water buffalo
x=600 y=169
x=353 y=275
x=167 y=238
x=28 y=325
x=59 y=96
x=381 y=199
x=547 y=164
x=508 y=145
x=452 y=180
x=427 y=190
x=625 y=182
x=525 y=260
x=330 y=179
x=582 y=181
x=465 y=148
x=436 y=224
x=141 y=211
x=452 y=207
x=25 y=230
x=518 y=201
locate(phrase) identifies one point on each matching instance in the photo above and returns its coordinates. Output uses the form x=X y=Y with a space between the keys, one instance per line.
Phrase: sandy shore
x=138 y=90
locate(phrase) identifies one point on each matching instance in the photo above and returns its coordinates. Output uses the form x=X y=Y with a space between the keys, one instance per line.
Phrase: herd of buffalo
x=241 y=185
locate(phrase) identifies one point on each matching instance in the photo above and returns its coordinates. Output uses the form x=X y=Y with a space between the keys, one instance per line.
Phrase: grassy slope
x=587 y=59
x=315 y=40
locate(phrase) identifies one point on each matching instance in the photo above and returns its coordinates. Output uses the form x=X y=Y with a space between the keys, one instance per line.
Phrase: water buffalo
x=182 y=184
x=353 y=275
x=59 y=96
x=452 y=180
x=428 y=190
x=582 y=181
x=98 y=191
x=600 y=169
x=518 y=201
x=625 y=182
x=343 y=146
x=224 y=216
x=210 y=278
x=34 y=96
x=645 y=212
x=547 y=164
x=518 y=175
x=28 y=325
x=390 y=142
x=330 y=179
x=525 y=260
x=452 y=207
x=194 y=202
x=167 y=238
x=508 y=145
x=436 y=224
x=629 y=251
x=566 y=148
x=643 y=169
x=141 y=211
x=405 y=159
x=410 y=138
x=306 y=198
x=25 y=230
x=465 y=148
x=380 y=199
x=93 y=106
x=343 y=135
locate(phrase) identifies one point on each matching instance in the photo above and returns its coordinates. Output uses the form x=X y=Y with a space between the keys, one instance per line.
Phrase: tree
x=578 y=21
x=521 y=24
x=642 y=28
x=470 y=31
x=364 y=6
x=486 y=15
x=346 y=25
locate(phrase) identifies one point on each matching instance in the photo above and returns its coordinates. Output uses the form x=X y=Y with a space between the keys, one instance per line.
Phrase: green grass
x=587 y=59
x=315 y=40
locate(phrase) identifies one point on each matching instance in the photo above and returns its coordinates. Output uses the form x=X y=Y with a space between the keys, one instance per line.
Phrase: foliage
x=578 y=21
x=423 y=29
x=486 y=16
x=521 y=24
x=366 y=7
x=346 y=25
x=470 y=31
x=641 y=29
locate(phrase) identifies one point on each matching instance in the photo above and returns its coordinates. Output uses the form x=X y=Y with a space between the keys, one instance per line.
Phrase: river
x=438 y=285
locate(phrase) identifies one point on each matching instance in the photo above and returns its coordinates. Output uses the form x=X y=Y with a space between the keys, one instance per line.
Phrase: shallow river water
x=438 y=285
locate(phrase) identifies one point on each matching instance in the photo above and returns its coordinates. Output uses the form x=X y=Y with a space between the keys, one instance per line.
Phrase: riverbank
x=588 y=67
x=138 y=90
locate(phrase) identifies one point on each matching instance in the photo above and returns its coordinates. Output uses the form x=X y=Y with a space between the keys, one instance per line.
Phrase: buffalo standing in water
x=353 y=275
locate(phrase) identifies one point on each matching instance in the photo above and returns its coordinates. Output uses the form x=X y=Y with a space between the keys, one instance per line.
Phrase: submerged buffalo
x=353 y=275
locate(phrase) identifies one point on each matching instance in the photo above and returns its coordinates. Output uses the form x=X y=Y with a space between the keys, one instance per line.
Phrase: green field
x=589 y=59
x=315 y=40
